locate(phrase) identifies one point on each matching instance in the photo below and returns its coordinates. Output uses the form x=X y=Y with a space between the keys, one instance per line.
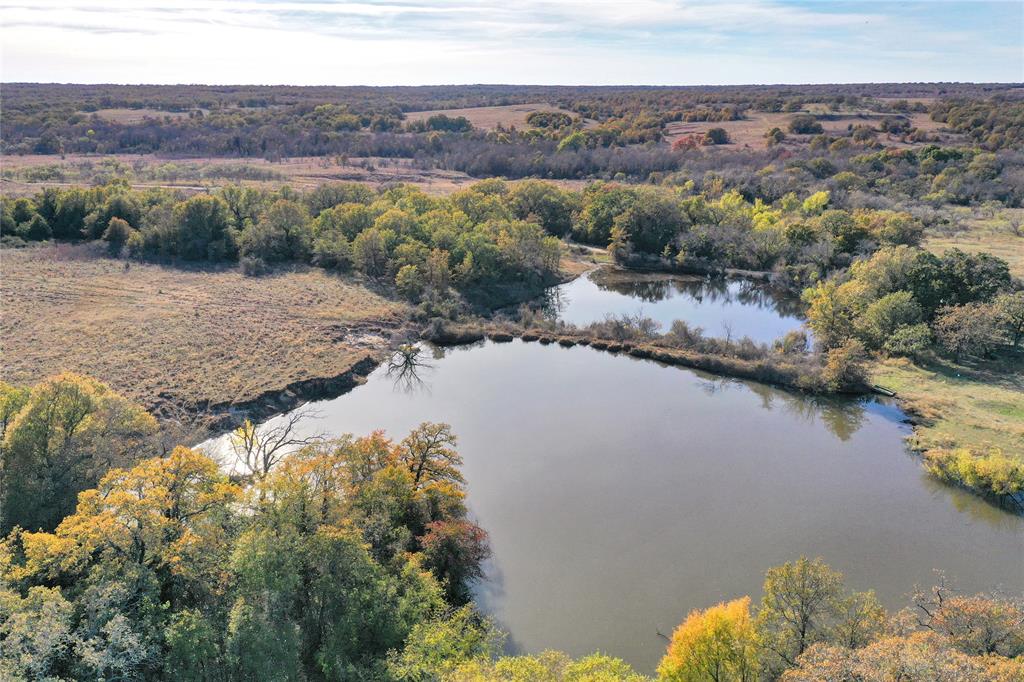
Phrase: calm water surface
x=722 y=307
x=619 y=493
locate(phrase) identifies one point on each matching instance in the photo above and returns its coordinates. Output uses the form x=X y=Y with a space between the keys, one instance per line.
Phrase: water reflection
x=721 y=307
x=406 y=367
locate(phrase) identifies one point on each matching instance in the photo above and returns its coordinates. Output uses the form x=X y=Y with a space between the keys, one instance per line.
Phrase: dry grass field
x=24 y=175
x=994 y=234
x=205 y=174
x=489 y=118
x=168 y=336
x=750 y=131
x=130 y=116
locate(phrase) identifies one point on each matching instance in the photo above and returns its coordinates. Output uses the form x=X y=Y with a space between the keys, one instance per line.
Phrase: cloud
x=406 y=41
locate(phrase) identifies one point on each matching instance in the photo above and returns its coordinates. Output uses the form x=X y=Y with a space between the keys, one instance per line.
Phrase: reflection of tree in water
x=405 y=366
x=715 y=291
x=843 y=417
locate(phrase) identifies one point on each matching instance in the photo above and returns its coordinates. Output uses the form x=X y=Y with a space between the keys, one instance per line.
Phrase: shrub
x=990 y=472
x=716 y=136
x=805 y=124
x=117 y=234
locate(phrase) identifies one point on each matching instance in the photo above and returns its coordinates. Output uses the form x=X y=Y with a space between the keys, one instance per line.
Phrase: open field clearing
x=749 y=132
x=27 y=175
x=960 y=406
x=23 y=175
x=130 y=116
x=1001 y=235
x=489 y=118
x=168 y=336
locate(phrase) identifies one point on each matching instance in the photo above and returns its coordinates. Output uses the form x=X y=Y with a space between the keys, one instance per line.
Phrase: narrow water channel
x=619 y=493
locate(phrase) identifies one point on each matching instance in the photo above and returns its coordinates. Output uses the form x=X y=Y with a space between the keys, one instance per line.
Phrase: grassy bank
x=968 y=421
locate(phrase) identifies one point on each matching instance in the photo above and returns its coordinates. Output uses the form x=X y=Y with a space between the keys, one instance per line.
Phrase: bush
x=252 y=266
x=117 y=234
x=36 y=229
x=992 y=472
x=805 y=125
x=716 y=136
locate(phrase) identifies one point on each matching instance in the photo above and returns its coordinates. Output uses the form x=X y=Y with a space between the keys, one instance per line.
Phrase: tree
x=880 y=320
x=437 y=647
x=370 y=252
x=653 y=221
x=454 y=551
x=203 y=228
x=429 y=454
x=12 y=399
x=844 y=367
x=1010 y=309
x=718 y=644
x=801 y=600
x=831 y=310
x=36 y=229
x=909 y=341
x=967 y=330
x=259 y=448
x=846 y=231
x=977 y=625
x=69 y=431
x=973 y=277
x=774 y=136
x=117 y=233
x=544 y=203
x=409 y=282
x=282 y=233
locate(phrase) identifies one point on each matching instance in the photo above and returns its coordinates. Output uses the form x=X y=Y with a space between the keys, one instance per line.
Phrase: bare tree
x=257 y=448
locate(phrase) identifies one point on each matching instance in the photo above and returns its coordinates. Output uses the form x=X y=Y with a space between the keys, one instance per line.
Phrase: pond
x=721 y=307
x=619 y=493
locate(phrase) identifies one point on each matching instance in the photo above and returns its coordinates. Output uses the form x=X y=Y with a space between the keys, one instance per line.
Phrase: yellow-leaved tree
x=717 y=644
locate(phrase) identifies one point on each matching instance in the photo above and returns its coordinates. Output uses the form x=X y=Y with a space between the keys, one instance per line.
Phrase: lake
x=619 y=493
x=721 y=307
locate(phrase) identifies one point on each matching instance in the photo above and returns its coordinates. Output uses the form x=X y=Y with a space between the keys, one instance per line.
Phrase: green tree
x=545 y=203
x=203 y=228
x=69 y=431
x=1010 y=309
x=801 y=602
x=882 y=318
x=370 y=252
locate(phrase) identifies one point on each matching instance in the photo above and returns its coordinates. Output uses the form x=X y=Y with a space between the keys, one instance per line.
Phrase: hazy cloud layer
x=529 y=41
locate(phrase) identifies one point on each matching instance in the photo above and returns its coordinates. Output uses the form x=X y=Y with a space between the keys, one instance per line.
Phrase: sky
x=568 y=42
